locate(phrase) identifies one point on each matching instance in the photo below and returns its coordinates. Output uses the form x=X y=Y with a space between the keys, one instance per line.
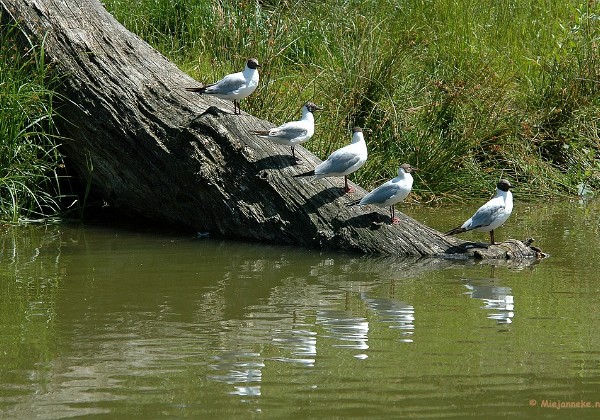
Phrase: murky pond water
x=117 y=324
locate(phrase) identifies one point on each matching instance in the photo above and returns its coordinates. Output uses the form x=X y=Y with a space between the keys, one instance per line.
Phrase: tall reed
x=29 y=156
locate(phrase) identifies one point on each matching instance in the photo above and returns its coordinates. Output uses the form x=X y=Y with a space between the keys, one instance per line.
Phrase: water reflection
x=243 y=370
x=130 y=325
x=398 y=314
x=300 y=343
x=496 y=298
x=344 y=329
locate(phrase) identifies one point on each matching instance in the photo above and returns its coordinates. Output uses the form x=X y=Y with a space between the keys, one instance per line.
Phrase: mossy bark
x=149 y=146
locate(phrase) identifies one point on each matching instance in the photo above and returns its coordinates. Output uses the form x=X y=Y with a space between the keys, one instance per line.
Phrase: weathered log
x=184 y=159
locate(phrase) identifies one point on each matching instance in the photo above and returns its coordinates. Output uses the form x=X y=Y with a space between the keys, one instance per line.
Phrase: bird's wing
x=381 y=194
x=288 y=131
x=228 y=84
x=486 y=214
x=338 y=162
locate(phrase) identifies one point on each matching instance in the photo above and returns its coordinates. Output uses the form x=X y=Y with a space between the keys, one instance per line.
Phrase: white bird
x=393 y=191
x=294 y=132
x=492 y=214
x=235 y=86
x=343 y=161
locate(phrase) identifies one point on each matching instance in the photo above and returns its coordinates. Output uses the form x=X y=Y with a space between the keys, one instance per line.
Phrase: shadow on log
x=183 y=159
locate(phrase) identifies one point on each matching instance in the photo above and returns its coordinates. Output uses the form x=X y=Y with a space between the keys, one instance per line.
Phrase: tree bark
x=179 y=158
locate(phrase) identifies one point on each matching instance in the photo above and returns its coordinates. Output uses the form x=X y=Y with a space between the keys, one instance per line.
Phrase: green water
x=111 y=323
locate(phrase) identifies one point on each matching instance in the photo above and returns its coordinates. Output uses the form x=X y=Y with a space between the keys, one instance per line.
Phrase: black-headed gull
x=343 y=161
x=393 y=191
x=235 y=86
x=294 y=132
x=492 y=214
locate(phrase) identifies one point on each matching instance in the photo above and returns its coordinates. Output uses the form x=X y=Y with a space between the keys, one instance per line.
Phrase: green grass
x=29 y=156
x=468 y=91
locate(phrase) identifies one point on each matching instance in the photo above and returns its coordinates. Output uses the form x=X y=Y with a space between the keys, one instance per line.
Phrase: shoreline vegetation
x=30 y=161
x=467 y=91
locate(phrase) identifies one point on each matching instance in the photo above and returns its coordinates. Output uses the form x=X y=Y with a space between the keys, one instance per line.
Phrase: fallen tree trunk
x=148 y=145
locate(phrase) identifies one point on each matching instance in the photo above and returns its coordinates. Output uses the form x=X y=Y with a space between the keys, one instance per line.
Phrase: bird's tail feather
x=455 y=231
x=199 y=89
x=260 y=132
x=309 y=173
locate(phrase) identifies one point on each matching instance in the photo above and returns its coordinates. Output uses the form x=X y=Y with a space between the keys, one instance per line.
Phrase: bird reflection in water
x=395 y=313
x=350 y=332
x=498 y=299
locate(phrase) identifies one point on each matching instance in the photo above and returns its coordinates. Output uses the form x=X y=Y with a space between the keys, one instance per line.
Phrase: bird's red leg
x=347 y=188
x=395 y=220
